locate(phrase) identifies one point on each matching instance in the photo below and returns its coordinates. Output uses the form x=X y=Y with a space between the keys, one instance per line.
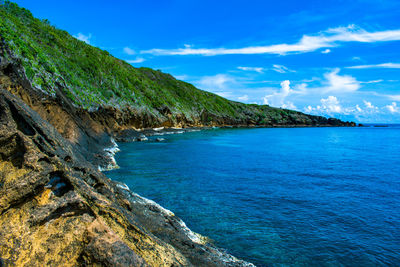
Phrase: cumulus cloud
x=331 y=105
x=340 y=83
x=377 y=66
x=129 y=51
x=326 y=51
x=137 y=60
x=83 y=37
x=256 y=69
x=308 y=43
x=393 y=108
x=369 y=105
x=277 y=99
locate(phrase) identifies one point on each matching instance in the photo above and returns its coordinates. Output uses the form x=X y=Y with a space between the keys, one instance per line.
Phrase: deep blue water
x=302 y=196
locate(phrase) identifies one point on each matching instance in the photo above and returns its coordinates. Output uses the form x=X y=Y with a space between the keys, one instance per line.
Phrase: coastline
x=141 y=135
x=52 y=158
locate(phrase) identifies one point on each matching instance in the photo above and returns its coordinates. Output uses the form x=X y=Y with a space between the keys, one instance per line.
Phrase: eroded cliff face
x=57 y=209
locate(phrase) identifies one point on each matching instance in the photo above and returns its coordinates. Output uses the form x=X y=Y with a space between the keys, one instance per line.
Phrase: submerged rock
x=142 y=138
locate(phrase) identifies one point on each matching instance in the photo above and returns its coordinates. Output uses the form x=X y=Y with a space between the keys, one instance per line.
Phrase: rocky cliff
x=56 y=209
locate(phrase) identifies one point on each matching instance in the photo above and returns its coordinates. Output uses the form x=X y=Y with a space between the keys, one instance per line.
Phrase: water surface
x=298 y=196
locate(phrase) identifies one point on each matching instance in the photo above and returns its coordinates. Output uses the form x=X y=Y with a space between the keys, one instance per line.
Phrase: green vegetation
x=91 y=77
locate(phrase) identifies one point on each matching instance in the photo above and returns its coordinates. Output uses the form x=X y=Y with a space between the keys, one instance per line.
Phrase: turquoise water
x=303 y=196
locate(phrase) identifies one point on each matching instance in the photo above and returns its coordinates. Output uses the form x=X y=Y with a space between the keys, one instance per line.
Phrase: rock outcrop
x=57 y=209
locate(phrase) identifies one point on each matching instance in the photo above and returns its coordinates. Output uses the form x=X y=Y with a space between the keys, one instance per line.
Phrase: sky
x=332 y=58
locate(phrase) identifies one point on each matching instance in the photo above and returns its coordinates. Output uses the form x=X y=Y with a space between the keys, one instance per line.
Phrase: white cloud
x=137 y=60
x=277 y=99
x=281 y=69
x=218 y=81
x=394 y=97
x=84 y=38
x=373 y=81
x=326 y=51
x=243 y=98
x=331 y=105
x=340 y=83
x=129 y=51
x=183 y=77
x=289 y=105
x=275 y=67
x=220 y=84
x=256 y=69
x=308 y=43
x=369 y=105
x=301 y=88
x=393 y=108
x=376 y=66
x=309 y=109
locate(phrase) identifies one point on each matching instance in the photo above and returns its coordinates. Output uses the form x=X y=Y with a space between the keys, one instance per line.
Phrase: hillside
x=90 y=77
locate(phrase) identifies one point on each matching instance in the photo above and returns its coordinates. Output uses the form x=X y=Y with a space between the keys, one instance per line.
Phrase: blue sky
x=331 y=58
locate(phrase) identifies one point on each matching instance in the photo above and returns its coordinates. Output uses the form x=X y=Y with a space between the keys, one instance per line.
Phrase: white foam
x=195 y=237
x=109 y=167
x=110 y=153
x=158 y=129
x=123 y=186
x=114 y=149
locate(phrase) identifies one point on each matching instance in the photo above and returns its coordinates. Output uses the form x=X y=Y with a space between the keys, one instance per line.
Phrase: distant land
x=63 y=103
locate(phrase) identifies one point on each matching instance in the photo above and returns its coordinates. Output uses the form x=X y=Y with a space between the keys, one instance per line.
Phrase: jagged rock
x=56 y=208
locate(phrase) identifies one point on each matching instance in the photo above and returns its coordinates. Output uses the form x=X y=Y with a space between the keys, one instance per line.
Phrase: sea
x=279 y=196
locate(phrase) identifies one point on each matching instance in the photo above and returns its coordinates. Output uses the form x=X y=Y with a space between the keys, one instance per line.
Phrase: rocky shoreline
x=63 y=106
x=58 y=208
